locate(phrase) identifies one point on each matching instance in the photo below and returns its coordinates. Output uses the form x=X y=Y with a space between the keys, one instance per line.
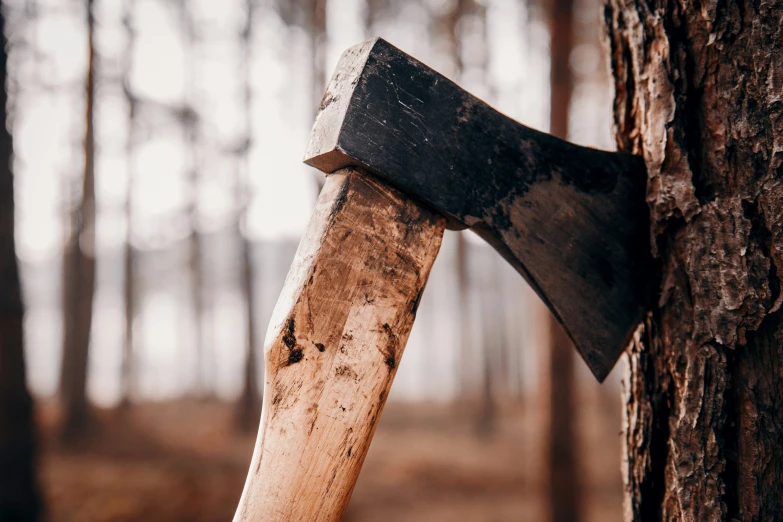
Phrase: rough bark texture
x=699 y=93
x=19 y=497
x=334 y=344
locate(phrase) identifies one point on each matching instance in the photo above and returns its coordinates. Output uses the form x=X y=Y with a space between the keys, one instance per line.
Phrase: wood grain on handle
x=334 y=344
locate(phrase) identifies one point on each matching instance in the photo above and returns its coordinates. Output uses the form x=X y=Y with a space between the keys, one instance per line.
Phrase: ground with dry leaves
x=183 y=461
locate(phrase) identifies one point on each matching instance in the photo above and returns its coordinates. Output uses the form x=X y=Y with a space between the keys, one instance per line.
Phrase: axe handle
x=334 y=344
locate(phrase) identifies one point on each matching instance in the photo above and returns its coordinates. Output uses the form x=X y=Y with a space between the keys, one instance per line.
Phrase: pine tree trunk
x=446 y=28
x=249 y=405
x=317 y=29
x=190 y=120
x=563 y=498
x=318 y=48
x=699 y=93
x=79 y=273
x=466 y=370
x=129 y=258
x=19 y=496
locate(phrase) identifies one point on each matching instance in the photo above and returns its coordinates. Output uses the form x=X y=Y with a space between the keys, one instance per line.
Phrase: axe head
x=572 y=220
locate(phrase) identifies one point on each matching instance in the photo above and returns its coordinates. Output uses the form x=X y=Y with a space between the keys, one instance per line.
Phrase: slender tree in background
x=563 y=495
x=129 y=258
x=463 y=305
x=19 y=496
x=190 y=123
x=374 y=12
x=493 y=352
x=446 y=26
x=698 y=93
x=317 y=31
x=492 y=332
x=451 y=25
x=79 y=272
x=249 y=408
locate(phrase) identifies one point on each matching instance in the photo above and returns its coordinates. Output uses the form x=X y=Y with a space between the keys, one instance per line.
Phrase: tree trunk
x=563 y=484
x=249 y=406
x=445 y=27
x=317 y=29
x=372 y=10
x=129 y=258
x=19 y=496
x=463 y=305
x=318 y=48
x=79 y=273
x=491 y=328
x=699 y=95
x=563 y=498
x=190 y=124
x=196 y=268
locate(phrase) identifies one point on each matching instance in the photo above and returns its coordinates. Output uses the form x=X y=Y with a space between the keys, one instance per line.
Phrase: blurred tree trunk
x=446 y=27
x=129 y=258
x=196 y=262
x=317 y=31
x=190 y=123
x=19 y=496
x=318 y=48
x=448 y=24
x=699 y=93
x=492 y=328
x=372 y=11
x=463 y=316
x=79 y=272
x=249 y=406
x=563 y=476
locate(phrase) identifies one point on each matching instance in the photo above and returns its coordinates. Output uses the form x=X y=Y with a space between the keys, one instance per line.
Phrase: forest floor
x=185 y=461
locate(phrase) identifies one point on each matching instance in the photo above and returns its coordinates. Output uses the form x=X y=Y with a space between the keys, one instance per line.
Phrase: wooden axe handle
x=334 y=344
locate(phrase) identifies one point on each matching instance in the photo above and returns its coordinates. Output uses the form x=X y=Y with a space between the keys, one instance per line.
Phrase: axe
x=409 y=153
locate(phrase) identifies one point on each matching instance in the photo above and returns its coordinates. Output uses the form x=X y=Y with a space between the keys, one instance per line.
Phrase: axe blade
x=572 y=220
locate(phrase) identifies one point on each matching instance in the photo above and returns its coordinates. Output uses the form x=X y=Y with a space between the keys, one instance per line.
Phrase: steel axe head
x=572 y=220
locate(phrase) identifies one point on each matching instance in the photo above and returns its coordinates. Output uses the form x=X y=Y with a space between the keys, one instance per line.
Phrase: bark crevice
x=705 y=110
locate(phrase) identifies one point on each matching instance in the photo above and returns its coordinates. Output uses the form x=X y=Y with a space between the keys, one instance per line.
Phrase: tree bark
x=19 y=496
x=563 y=498
x=79 y=273
x=699 y=93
